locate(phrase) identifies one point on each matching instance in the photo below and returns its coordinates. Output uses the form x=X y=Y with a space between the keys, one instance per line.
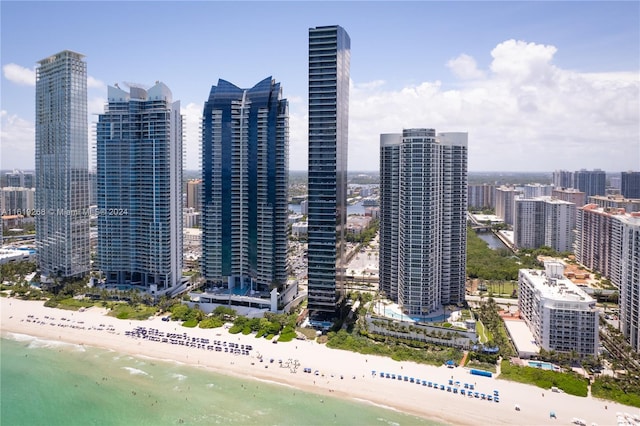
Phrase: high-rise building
x=615 y=202
x=608 y=242
x=630 y=183
x=329 y=62
x=504 y=199
x=593 y=245
x=562 y=179
x=560 y=315
x=390 y=148
x=423 y=188
x=591 y=182
x=18 y=179
x=194 y=190
x=481 y=196
x=139 y=187
x=544 y=221
x=17 y=201
x=245 y=138
x=571 y=195
x=626 y=274
x=528 y=224
x=62 y=163
x=532 y=190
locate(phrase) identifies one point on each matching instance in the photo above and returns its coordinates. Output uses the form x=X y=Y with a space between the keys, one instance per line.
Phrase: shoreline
x=341 y=374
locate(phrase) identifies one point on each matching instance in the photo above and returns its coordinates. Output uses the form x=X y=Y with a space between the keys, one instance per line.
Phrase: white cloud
x=93 y=83
x=465 y=67
x=18 y=141
x=191 y=143
x=19 y=74
x=524 y=113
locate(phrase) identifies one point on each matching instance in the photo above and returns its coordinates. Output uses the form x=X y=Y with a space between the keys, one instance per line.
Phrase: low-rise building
x=560 y=315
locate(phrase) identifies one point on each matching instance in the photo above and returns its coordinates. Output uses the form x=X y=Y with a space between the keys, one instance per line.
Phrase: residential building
x=481 y=196
x=18 y=179
x=504 y=199
x=562 y=179
x=528 y=226
x=194 y=191
x=626 y=274
x=608 y=242
x=571 y=195
x=245 y=142
x=532 y=190
x=560 y=315
x=17 y=201
x=390 y=149
x=62 y=163
x=423 y=188
x=591 y=182
x=615 y=202
x=630 y=184
x=139 y=186
x=594 y=227
x=544 y=221
x=329 y=63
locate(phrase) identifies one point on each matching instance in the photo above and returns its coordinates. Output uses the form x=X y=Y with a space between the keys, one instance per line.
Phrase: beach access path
x=340 y=374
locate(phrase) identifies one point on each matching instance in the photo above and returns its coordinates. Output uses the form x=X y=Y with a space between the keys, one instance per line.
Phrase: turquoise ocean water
x=50 y=383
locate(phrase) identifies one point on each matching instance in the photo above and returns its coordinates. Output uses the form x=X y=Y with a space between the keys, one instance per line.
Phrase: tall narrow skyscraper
x=245 y=172
x=139 y=188
x=423 y=193
x=329 y=61
x=62 y=166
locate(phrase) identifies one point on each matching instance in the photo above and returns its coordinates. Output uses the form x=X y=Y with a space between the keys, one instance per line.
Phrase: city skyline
x=537 y=93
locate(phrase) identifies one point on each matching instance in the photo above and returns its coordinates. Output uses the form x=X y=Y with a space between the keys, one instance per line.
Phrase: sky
x=538 y=86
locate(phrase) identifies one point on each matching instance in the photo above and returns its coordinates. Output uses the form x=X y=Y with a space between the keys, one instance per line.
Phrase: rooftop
x=553 y=285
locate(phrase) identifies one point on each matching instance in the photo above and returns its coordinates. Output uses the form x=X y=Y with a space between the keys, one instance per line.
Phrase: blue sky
x=538 y=85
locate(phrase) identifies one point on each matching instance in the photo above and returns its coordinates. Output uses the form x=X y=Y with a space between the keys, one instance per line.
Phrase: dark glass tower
x=590 y=182
x=630 y=184
x=329 y=58
x=245 y=145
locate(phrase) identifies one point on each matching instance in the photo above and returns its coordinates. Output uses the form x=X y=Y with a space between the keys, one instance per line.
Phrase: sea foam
x=136 y=371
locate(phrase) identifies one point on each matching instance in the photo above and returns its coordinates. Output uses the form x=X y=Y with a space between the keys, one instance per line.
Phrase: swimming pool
x=542 y=365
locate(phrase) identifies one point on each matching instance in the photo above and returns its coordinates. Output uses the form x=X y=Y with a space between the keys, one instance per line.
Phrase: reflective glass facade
x=139 y=195
x=423 y=203
x=329 y=59
x=245 y=146
x=62 y=163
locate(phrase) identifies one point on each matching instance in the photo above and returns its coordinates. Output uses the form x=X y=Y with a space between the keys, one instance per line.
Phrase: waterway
x=493 y=241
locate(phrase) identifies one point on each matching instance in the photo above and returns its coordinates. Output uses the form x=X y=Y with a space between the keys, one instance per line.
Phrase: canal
x=493 y=241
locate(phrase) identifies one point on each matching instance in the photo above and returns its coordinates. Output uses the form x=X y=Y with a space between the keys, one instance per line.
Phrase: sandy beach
x=341 y=374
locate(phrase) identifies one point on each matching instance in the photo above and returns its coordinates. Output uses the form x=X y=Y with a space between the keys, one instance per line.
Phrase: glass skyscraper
x=62 y=163
x=329 y=59
x=139 y=188
x=591 y=182
x=245 y=148
x=423 y=203
x=630 y=183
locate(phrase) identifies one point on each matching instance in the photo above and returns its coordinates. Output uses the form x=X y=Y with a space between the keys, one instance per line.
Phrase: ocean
x=51 y=383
